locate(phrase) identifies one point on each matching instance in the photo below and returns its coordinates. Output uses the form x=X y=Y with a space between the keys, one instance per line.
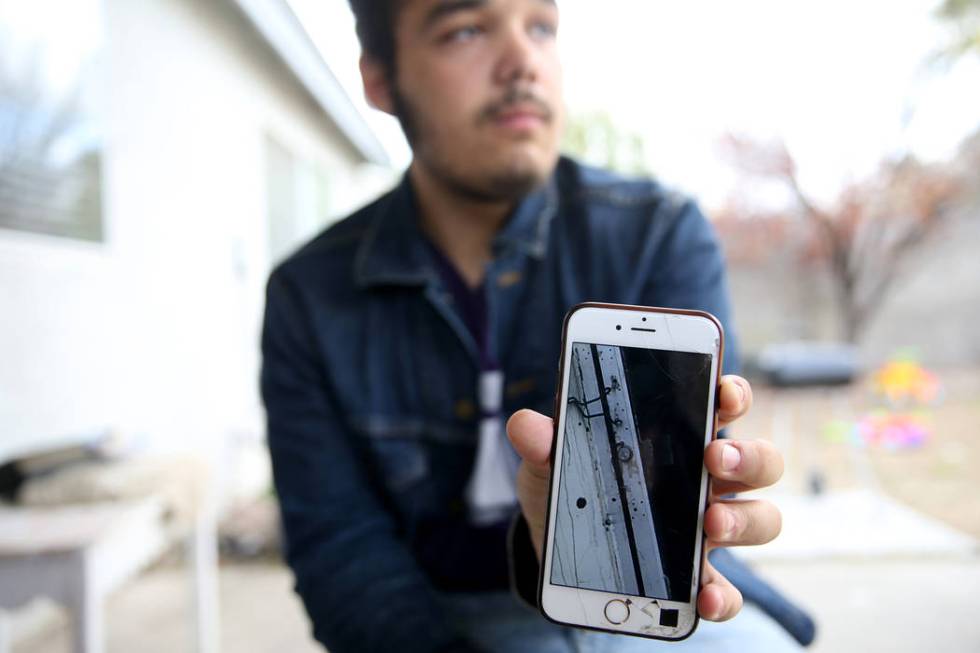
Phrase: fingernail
x=741 y=394
x=730 y=458
x=729 y=524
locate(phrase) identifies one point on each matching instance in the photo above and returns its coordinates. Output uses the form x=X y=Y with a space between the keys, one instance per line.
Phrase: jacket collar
x=393 y=251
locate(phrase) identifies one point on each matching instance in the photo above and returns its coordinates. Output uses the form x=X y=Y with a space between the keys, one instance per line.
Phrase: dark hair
x=376 y=29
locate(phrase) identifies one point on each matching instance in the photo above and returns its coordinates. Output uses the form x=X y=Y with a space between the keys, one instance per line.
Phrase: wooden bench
x=76 y=555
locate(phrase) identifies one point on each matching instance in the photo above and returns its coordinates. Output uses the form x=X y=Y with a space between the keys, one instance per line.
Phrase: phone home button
x=617 y=611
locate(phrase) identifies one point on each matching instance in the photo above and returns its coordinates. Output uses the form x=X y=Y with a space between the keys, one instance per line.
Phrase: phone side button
x=617 y=611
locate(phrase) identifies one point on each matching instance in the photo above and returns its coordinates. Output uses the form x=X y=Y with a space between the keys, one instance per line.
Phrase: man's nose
x=518 y=58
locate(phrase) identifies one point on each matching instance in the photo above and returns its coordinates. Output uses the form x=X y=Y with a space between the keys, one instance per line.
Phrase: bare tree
x=868 y=234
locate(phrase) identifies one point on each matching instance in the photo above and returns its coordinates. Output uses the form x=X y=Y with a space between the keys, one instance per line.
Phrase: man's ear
x=377 y=86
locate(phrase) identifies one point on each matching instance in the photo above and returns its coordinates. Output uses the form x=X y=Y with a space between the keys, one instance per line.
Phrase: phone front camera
x=619 y=327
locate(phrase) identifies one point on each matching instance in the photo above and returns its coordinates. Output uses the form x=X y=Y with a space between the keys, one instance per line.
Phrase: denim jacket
x=369 y=377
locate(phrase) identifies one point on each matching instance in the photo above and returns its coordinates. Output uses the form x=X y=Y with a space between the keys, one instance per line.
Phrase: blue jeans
x=500 y=623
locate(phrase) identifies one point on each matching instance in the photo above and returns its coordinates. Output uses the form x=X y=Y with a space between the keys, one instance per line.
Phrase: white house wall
x=155 y=332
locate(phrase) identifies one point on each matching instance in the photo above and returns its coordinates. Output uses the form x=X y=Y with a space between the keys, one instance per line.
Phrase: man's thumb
x=531 y=434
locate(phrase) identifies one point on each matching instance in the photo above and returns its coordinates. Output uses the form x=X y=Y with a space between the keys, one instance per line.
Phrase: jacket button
x=464 y=409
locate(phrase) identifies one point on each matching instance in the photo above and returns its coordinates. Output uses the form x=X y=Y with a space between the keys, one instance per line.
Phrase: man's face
x=478 y=90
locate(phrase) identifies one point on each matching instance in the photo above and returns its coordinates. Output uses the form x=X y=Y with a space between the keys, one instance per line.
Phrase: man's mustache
x=516 y=97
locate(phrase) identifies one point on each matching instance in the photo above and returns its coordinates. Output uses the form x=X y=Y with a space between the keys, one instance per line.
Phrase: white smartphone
x=635 y=409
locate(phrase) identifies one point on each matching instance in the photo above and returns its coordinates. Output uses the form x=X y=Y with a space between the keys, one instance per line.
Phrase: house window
x=296 y=199
x=50 y=135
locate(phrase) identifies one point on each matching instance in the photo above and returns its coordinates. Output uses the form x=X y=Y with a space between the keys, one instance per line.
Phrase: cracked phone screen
x=630 y=479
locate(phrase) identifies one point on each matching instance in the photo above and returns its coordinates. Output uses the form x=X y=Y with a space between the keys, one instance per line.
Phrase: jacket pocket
x=401 y=463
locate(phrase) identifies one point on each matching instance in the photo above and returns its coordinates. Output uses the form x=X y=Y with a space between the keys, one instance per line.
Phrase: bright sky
x=834 y=78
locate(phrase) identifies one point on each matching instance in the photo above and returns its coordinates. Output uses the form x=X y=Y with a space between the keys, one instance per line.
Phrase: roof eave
x=276 y=23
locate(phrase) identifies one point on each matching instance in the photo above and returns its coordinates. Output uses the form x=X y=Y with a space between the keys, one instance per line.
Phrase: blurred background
x=158 y=157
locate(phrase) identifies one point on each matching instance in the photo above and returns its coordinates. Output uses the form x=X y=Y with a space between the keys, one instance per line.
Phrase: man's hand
x=734 y=465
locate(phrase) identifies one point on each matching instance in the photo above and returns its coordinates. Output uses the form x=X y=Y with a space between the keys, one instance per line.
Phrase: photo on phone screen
x=630 y=479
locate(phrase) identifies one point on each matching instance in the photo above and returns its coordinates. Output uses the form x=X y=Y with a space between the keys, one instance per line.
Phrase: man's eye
x=543 y=30
x=463 y=34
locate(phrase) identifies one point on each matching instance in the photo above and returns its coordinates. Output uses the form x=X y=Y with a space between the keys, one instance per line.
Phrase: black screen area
x=631 y=470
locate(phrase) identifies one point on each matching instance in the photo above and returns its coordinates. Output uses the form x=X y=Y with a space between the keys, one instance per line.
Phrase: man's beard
x=508 y=184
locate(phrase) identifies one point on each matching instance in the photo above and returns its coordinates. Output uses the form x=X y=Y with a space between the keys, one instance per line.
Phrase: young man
x=398 y=341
